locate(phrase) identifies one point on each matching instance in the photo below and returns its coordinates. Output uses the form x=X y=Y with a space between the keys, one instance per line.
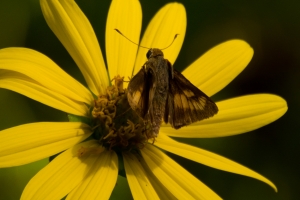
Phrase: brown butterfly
x=158 y=91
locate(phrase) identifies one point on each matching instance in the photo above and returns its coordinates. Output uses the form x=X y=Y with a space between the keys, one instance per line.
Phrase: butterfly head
x=153 y=52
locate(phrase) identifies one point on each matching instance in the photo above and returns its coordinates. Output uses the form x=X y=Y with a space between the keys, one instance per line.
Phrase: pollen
x=116 y=126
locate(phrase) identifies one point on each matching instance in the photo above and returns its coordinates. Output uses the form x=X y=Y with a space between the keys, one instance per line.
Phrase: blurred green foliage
x=272 y=28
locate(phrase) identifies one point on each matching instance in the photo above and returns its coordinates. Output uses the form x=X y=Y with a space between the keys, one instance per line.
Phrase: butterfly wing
x=186 y=103
x=141 y=90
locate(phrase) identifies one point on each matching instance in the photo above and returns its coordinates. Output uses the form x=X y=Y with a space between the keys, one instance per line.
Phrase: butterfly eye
x=149 y=53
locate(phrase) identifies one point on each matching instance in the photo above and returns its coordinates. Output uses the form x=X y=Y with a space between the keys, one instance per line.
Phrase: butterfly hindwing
x=186 y=103
x=141 y=91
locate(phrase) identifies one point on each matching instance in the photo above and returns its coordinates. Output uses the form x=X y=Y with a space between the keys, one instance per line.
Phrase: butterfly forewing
x=186 y=103
x=141 y=91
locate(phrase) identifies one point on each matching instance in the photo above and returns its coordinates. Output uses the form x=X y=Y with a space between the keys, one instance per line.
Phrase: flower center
x=117 y=126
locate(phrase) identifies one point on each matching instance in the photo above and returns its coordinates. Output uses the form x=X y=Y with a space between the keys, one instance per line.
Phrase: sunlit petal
x=138 y=181
x=61 y=175
x=31 y=142
x=125 y=16
x=207 y=158
x=101 y=179
x=160 y=189
x=168 y=21
x=236 y=115
x=44 y=71
x=75 y=32
x=176 y=179
x=219 y=66
x=26 y=86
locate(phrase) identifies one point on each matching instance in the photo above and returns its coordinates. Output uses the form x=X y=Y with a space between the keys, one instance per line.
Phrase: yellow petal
x=168 y=21
x=207 y=158
x=24 y=85
x=31 y=142
x=160 y=189
x=44 y=71
x=101 y=179
x=75 y=32
x=125 y=16
x=236 y=116
x=61 y=175
x=139 y=183
x=176 y=179
x=219 y=66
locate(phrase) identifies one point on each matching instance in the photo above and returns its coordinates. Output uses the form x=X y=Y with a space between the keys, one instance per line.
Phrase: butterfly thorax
x=157 y=67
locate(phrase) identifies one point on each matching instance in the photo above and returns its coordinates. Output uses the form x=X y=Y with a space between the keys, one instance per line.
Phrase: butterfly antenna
x=171 y=42
x=130 y=39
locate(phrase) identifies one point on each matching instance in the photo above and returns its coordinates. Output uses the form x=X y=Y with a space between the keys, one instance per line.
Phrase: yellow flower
x=150 y=172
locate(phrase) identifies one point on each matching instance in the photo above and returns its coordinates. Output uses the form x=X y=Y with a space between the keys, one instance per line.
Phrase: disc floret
x=116 y=125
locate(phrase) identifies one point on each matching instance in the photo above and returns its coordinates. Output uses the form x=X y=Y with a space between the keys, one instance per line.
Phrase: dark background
x=272 y=28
